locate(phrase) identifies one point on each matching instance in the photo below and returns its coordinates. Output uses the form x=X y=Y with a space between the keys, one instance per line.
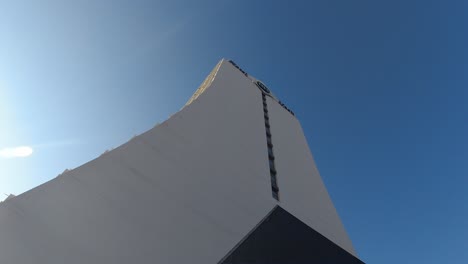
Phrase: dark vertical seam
x=271 y=155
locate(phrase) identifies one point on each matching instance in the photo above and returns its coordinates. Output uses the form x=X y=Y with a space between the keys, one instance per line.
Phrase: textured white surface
x=186 y=191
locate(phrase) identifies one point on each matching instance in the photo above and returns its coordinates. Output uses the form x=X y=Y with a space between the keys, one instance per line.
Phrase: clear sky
x=381 y=89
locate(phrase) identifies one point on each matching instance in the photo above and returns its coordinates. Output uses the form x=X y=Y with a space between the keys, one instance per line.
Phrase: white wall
x=184 y=192
x=302 y=192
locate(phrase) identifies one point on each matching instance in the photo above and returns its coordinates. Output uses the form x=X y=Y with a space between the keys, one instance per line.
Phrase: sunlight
x=17 y=152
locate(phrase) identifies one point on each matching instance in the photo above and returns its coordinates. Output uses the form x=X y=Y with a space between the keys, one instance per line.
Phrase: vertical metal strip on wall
x=271 y=155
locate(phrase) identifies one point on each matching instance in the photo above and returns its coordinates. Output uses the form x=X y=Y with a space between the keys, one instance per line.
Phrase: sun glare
x=17 y=152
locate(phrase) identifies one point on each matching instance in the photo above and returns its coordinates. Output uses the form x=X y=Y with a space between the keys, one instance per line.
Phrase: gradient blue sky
x=380 y=87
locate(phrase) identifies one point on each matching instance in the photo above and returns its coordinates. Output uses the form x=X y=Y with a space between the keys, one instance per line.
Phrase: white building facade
x=227 y=179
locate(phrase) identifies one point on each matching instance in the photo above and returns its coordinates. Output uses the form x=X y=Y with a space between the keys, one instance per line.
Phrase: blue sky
x=380 y=88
